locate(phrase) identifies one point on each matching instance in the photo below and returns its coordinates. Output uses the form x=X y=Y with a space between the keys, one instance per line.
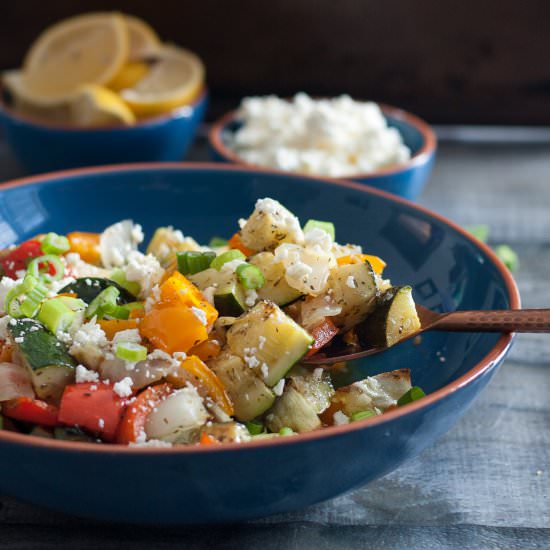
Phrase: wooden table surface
x=485 y=484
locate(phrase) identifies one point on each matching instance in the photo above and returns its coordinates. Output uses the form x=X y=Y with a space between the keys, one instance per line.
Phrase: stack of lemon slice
x=101 y=69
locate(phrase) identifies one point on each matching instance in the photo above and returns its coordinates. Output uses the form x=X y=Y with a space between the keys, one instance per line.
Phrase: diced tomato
x=31 y=410
x=133 y=422
x=94 y=407
x=207 y=439
x=17 y=259
x=236 y=243
x=323 y=333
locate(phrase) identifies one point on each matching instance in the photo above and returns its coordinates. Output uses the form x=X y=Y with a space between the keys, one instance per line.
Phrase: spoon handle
x=506 y=320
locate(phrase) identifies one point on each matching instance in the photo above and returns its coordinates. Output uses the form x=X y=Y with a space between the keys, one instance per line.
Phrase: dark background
x=450 y=61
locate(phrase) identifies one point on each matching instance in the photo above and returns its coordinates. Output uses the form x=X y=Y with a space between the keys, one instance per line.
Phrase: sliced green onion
x=480 y=232
x=55 y=244
x=131 y=306
x=55 y=315
x=129 y=351
x=286 y=431
x=361 y=415
x=114 y=312
x=191 y=262
x=133 y=287
x=34 y=268
x=250 y=276
x=31 y=304
x=75 y=304
x=507 y=256
x=412 y=395
x=225 y=257
x=327 y=227
x=24 y=299
x=105 y=300
x=217 y=242
x=254 y=427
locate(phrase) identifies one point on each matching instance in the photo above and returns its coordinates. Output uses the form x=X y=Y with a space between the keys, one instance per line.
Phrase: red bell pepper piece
x=31 y=410
x=17 y=259
x=133 y=424
x=323 y=333
x=94 y=407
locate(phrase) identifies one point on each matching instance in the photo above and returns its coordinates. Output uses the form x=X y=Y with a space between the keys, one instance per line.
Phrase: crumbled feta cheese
x=131 y=335
x=4 y=332
x=332 y=137
x=85 y=375
x=340 y=418
x=250 y=297
x=265 y=370
x=56 y=286
x=151 y=443
x=152 y=299
x=261 y=342
x=137 y=234
x=231 y=267
x=279 y=387
x=19 y=339
x=89 y=344
x=6 y=284
x=20 y=273
x=350 y=282
x=318 y=237
x=179 y=355
x=250 y=358
x=208 y=294
x=123 y=388
x=101 y=423
x=143 y=269
x=117 y=241
x=200 y=314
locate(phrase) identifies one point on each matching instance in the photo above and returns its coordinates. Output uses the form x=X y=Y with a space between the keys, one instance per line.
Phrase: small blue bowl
x=447 y=267
x=406 y=180
x=43 y=147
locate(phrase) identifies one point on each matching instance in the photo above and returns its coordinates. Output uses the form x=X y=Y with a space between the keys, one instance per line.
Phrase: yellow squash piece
x=175 y=78
x=86 y=49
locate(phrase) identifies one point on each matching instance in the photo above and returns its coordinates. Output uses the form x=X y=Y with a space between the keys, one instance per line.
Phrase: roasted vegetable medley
x=190 y=344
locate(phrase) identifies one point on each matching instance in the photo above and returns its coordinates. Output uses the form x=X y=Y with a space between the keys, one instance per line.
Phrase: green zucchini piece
x=87 y=288
x=355 y=289
x=275 y=287
x=250 y=396
x=67 y=433
x=394 y=319
x=269 y=341
x=47 y=359
x=229 y=296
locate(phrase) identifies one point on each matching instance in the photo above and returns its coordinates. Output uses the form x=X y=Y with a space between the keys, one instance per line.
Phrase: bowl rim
x=497 y=352
x=36 y=122
x=422 y=156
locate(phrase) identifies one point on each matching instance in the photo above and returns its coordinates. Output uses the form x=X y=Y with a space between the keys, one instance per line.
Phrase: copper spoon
x=500 y=320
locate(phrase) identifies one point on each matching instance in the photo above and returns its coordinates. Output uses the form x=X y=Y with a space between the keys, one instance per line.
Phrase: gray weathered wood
x=486 y=484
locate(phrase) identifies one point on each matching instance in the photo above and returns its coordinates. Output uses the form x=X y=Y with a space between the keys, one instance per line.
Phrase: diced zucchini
x=275 y=287
x=305 y=397
x=250 y=396
x=49 y=363
x=354 y=288
x=227 y=432
x=88 y=288
x=229 y=296
x=270 y=225
x=375 y=393
x=268 y=340
x=294 y=411
x=394 y=318
x=166 y=242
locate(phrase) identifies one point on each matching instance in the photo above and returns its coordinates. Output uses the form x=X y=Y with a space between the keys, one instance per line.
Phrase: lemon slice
x=87 y=49
x=143 y=39
x=130 y=74
x=175 y=78
x=97 y=106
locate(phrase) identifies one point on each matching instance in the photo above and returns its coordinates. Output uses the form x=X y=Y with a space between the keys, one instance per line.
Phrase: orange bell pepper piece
x=378 y=264
x=236 y=243
x=193 y=370
x=179 y=290
x=172 y=328
x=87 y=245
x=206 y=350
x=112 y=326
x=207 y=439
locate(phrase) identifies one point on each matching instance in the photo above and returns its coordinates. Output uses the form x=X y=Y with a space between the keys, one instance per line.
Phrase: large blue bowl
x=447 y=267
x=406 y=180
x=43 y=147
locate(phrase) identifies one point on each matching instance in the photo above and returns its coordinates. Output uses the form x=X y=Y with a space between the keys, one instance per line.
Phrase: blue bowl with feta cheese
x=378 y=145
x=448 y=268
